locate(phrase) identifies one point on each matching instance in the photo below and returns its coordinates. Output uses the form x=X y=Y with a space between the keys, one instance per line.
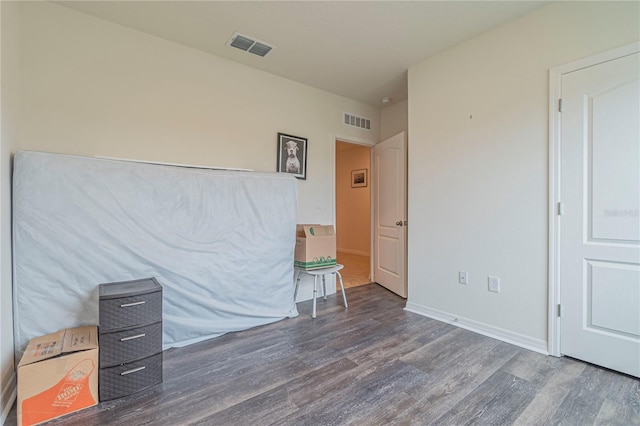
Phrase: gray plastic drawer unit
x=130 y=337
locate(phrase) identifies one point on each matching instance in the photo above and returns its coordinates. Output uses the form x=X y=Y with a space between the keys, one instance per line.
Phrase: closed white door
x=600 y=223
x=390 y=214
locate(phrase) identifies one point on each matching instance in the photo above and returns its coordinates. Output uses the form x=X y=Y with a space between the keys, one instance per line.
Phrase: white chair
x=333 y=270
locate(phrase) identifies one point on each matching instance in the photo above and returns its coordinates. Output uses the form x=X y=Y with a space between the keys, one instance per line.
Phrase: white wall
x=96 y=88
x=394 y=119
x=478 y=189
x=9 y=125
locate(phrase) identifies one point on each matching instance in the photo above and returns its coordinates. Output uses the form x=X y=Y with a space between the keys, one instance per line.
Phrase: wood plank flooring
x=373 y=364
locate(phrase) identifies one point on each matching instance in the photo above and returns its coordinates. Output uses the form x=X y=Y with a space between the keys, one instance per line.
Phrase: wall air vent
x=248 y=44
x=355 y=121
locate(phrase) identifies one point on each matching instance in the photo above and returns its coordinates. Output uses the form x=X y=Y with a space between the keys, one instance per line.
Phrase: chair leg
x=344 y=296
x=315 y=292
x=295 y=292
x=324 y=288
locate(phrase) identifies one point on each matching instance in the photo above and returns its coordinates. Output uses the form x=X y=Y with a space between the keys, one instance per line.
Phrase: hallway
x=356 y=270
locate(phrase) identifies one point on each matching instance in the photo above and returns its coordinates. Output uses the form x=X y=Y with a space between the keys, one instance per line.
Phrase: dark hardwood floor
x=373 y=364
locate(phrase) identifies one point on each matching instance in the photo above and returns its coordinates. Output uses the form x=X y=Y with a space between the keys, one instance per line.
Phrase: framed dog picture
x=292 y=155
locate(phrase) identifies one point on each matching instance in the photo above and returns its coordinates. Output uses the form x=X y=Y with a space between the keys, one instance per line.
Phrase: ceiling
x=357 y=49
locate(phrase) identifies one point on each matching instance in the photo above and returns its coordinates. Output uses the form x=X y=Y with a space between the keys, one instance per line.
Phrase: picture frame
x=359 y=178
x=292 y=155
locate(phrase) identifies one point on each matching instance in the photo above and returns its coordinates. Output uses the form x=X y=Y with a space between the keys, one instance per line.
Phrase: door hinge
x=560 y=209
x=560 y=105
x=559 y=310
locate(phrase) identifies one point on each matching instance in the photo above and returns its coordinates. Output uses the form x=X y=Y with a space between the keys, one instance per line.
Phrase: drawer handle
x=126 y=305
x=137 y=336
x=124 y=373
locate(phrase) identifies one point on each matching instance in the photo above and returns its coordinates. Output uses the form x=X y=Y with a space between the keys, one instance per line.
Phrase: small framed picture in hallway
x=359 y=178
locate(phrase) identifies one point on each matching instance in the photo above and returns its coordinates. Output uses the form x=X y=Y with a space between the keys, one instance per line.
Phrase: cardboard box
x=58 y=374
x=315 y=246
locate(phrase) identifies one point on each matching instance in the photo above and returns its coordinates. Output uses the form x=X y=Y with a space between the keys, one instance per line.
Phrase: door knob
x=399 y=223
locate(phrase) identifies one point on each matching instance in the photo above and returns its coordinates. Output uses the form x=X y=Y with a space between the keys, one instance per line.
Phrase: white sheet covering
x=219 y=242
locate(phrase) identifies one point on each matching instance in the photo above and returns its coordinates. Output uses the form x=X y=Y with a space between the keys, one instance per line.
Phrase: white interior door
x=600 y=226
x=390 y=214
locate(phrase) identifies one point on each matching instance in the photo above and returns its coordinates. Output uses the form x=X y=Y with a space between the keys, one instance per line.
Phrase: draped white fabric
x=219 y=242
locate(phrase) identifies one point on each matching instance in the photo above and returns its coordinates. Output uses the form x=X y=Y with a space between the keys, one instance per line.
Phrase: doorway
x=353 y=211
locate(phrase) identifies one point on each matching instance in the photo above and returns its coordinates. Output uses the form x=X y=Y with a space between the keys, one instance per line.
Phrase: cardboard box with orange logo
x=58 y=374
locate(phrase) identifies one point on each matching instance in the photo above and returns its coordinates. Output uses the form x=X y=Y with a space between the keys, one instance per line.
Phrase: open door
x=390 y=214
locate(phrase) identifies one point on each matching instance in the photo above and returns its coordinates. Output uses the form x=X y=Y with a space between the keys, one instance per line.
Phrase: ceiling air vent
x=355 y=121
x=260 y=49
x=248 y=44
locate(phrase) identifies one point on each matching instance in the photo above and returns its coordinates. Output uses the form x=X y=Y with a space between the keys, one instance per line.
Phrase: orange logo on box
x=70 y=393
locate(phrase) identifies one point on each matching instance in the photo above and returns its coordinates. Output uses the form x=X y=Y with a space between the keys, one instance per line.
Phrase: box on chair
x=315 y=246
x=58 y=374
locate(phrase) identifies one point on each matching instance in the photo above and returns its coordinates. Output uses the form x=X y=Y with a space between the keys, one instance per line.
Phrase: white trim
x=553 y=323
x=10 y=389
x=526 y=342
x=372 y=201
x=349 y=251
x=555 y=92
x=609 y=55
x=352 y=139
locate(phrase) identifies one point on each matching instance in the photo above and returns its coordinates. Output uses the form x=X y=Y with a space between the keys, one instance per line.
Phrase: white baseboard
x=359 y=253
x=526 y=342
x=8 y=389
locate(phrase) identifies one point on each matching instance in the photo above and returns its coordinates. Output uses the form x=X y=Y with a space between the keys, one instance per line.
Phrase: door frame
x=555 y=92
x=356 y=141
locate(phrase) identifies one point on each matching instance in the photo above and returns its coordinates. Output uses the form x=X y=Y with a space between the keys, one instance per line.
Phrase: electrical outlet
x=494 y=284
x=463 y=277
